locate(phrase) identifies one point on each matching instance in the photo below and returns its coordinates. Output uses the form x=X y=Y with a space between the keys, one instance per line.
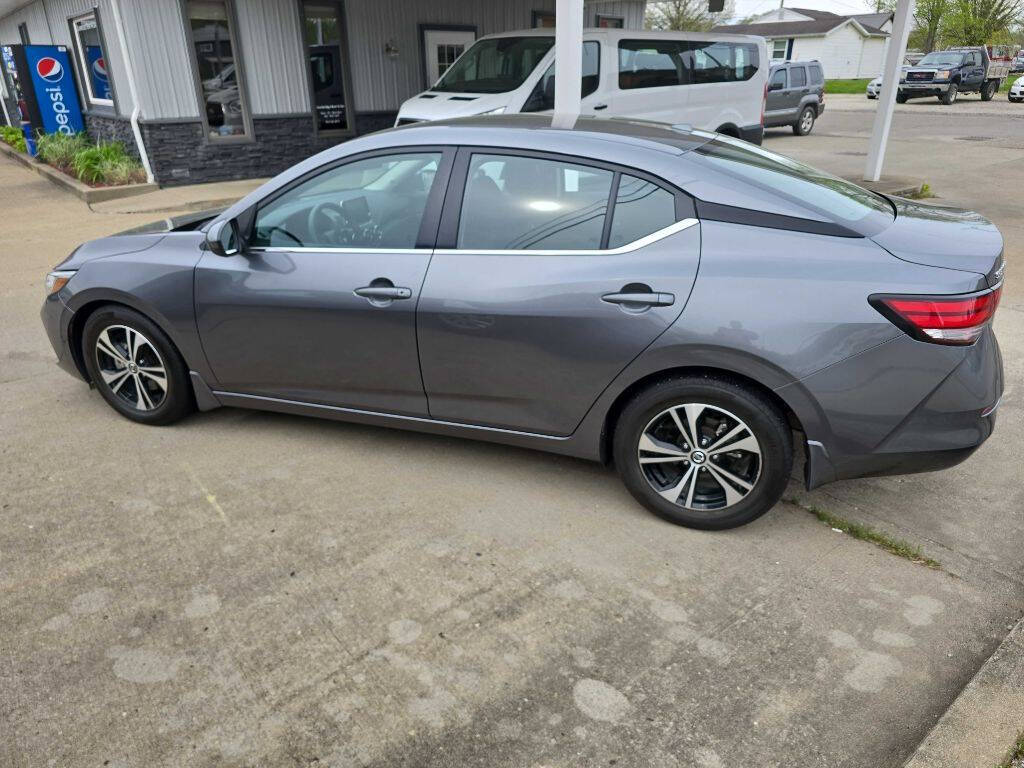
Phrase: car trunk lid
x=944 y=237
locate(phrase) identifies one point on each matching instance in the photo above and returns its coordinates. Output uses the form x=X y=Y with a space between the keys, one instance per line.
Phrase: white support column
x=890 y=85
x=568 y=62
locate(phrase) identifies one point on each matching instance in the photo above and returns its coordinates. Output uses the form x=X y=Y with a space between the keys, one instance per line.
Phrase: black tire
x=901 y=98
x=1015 y=101
x=805 y=123
x=170 y=405
x=950 y=95
x=988 y=90
x=743 y=403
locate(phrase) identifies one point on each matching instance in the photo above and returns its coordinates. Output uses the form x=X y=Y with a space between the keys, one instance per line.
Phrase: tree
x=929 y=16
x=978 y=22
x=686 y=15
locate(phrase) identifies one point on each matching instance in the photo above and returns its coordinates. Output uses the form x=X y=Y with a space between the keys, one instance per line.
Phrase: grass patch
x=858 y=86
x=897 y=547
x=922 y=193
x=1016 y=755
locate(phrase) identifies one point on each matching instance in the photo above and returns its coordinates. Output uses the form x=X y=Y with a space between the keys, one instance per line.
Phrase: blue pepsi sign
x=50 y=69
x=97 y=71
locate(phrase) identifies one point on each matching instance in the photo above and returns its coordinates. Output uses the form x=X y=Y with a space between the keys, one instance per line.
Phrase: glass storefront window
x=92 y=60
x=212 y=39
x=327 y=65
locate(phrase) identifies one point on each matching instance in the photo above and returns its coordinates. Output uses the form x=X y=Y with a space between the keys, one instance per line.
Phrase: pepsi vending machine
x=48 y=99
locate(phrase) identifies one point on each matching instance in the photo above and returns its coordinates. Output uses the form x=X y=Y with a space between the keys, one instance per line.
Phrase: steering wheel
x=325 y=222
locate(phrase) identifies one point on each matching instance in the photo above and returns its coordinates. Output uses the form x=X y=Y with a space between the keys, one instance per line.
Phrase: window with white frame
x=779 y=49
x=92 y=60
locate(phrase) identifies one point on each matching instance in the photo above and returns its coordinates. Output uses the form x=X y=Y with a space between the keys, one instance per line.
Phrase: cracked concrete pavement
x=257 y=589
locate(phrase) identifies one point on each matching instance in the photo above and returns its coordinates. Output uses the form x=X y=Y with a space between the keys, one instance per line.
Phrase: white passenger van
x=702 y=79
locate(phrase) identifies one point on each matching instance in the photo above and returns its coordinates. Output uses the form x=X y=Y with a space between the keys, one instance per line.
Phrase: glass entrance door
x=328 y=66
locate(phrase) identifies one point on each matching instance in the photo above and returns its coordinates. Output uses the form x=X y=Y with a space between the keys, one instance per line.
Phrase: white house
x=846 y=46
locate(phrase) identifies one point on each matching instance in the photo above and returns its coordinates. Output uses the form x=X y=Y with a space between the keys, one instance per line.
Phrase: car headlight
x=942 y=75
x=498 y=111
x=57 y=280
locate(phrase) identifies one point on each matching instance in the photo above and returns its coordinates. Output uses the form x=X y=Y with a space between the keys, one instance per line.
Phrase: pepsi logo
x=99 y=68
x=49 y=69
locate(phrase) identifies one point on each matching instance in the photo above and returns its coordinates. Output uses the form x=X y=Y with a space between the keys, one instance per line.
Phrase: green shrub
x=59 y=149
x=14 y=137
x=106 y=163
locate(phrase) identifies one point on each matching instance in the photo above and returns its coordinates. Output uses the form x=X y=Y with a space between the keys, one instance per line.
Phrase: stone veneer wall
x=179 y=154
x=108 y=127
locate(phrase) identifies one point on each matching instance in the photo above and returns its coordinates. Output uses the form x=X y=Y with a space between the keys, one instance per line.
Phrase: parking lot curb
x=983 y=722
x=74 y=186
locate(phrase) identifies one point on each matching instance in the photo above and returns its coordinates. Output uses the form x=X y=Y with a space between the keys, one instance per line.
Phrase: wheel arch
x=615 y=410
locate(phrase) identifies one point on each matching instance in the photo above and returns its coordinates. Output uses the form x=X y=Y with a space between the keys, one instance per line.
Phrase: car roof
x=514 y=129
x=611 y=34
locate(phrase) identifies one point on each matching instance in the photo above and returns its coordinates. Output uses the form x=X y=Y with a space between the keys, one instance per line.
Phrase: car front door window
x=374 y=203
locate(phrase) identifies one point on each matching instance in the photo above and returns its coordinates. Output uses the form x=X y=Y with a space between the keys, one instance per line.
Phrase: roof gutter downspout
x=130 y=75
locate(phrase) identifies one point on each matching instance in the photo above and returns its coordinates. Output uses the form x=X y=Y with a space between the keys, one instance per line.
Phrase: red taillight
x=941 y=319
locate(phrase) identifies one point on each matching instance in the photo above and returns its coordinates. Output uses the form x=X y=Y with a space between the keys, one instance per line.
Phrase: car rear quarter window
x=798 y=77
x=527 y=203
x=833 y=198
x=640 y=209
x=817 y=75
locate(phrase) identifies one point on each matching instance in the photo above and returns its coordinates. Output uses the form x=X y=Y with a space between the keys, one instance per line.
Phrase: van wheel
x=949 y=96
x=988 y=90
x=805 y=123
x=704 y=452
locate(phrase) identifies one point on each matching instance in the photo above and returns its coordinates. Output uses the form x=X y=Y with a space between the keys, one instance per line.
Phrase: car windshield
x=939 y=59
x=495 y=65
x=835 y=199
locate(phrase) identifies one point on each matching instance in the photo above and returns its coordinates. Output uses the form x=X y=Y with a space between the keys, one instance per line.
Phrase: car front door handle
x=646 y=299
x=383 y=292
x=600 y=106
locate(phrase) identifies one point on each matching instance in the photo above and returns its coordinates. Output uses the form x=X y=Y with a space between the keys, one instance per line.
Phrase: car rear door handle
x=600 y=106
x=649 y=299
x=383 y=292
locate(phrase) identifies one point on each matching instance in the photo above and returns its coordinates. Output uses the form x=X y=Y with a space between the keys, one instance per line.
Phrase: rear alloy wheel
x=950 y=95
x=988 y=90
x=704 y=452
x=805 y=122
x=135 y=367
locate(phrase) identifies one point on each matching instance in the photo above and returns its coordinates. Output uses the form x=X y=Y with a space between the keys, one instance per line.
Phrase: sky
x=842 y=7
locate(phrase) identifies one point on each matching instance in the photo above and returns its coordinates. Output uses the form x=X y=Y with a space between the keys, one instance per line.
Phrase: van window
x=640 y=209
x=652 y=63
x=495 y=65
x=798 y=77
x=723 y=62
x=817 y=76
x=543 y=95
x=528 y=203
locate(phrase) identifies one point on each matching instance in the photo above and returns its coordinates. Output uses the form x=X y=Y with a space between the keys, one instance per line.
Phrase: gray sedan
x=693 y=308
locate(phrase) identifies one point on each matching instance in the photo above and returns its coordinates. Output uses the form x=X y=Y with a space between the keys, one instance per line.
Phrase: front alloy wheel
x=131 y=367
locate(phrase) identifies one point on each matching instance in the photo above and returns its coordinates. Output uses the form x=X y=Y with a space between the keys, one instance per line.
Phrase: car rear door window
x=652 y=63
x=798 y=77
x=374 y=203
x=527 y=203
x=641 y=208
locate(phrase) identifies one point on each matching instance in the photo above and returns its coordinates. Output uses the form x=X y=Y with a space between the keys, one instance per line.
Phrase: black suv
x=796 y=96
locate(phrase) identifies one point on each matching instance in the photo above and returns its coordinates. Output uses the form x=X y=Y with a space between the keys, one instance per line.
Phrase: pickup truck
x=946 y=74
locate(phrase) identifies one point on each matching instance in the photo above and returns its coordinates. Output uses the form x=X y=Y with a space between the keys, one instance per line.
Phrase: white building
x=846 y=46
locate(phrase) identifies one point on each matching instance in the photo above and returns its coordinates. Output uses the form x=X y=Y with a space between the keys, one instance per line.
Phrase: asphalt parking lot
x=256 y=589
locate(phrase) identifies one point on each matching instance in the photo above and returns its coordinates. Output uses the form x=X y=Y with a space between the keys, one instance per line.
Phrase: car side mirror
x=222 y=237
x=775 y=86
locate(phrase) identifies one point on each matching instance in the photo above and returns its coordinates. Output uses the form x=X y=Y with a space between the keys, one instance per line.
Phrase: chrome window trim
x=642 y=242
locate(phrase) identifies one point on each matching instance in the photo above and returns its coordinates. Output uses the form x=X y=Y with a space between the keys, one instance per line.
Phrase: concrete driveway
x=256 y=589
